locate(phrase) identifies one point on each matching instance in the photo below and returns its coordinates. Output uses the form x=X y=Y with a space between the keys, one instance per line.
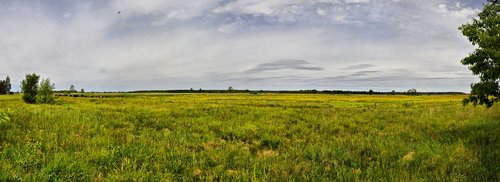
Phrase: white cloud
x=164 y=11
x=181 y=44
x=320 y=12
x=458 y=12
x=357 y=1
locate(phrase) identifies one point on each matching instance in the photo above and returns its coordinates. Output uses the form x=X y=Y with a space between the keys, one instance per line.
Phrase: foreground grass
x=250 y=137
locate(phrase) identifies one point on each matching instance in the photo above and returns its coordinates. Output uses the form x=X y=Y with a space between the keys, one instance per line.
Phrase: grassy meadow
x=244 y=137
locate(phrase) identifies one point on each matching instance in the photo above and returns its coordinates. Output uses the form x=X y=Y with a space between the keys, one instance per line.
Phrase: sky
x=124 y=45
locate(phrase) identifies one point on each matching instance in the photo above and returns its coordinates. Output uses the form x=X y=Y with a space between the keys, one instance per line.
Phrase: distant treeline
x=299 y=92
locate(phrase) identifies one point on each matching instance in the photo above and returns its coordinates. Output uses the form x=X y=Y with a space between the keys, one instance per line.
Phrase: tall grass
x=269 y=137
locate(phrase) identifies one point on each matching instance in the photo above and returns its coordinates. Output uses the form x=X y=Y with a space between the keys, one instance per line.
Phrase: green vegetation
x=412 y=92
x=29 y=87
x=45 y=93
x=264 y=137
x=484 y=62
x=34 y=92
x=5 y=86
x=72 y=89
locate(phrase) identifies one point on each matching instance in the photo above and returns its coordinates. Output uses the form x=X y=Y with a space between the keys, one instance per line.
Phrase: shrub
x=412 y=92
x=5 y=86
x=45 y=93
x=29 y=87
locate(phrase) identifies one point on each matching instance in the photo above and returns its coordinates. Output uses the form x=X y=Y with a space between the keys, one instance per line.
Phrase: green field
x=266 y=137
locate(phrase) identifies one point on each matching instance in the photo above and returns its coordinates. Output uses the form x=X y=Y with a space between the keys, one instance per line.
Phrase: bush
x=33 y=92
x=412 y=92
x=5 y=86
x=45 y=93
x=29 y=87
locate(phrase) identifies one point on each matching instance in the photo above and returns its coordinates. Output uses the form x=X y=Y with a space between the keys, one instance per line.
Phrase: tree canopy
x=37 y=92
x=29 y=87
x=484 y=61
x=72 y=88
x=5 y=86
x=45 y=93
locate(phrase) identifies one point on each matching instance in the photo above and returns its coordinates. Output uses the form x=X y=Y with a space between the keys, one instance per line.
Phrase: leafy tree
x=29 y=87
x=484 y=62
x=72 y=88
x=5 y=86
x=8 y=85
x=412 y=91
x=82 y=90
x=370 y=92
x=45 y=93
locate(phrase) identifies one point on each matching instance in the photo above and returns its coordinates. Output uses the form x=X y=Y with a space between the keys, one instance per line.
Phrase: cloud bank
x=247 y=44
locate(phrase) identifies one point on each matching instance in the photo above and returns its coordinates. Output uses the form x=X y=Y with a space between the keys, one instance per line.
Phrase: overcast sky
x=117 y=45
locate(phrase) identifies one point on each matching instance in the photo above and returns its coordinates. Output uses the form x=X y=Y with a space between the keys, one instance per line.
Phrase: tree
x=82 y=90
x=5 y=86
x=370 y=92
x=29 y=87
x=8 y=86
x=45 y=93
x=484 y=33
x=412 y=91
x=72 y=89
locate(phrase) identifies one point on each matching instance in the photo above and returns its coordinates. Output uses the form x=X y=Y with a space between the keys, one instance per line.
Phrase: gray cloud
x=363 y=73
x=192 y=43
x=358 y=66
x=294 y=64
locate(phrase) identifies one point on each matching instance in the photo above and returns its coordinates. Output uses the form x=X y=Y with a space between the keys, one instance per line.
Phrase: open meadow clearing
x=265 y=137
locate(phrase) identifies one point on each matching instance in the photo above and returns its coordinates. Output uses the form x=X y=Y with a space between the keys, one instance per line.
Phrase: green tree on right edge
x=484 y=62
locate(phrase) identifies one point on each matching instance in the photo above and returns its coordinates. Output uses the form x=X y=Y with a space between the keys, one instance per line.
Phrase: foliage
x=485 y=60
x=5 y=86
x=412 y=92
x=72 y=89
x=45 y=94
x=34 y=92
x=29 y=87
x=243 y=137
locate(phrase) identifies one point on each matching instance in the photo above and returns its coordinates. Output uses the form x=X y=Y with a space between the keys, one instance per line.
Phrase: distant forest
x=370 y=92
